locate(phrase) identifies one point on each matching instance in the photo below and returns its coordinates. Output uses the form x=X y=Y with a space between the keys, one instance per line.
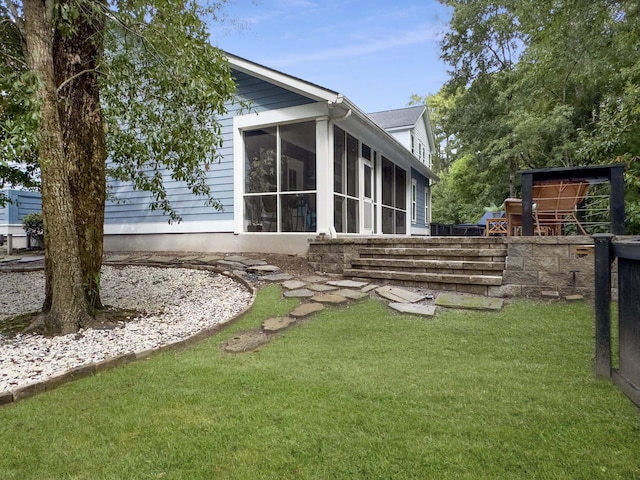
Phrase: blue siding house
x=303 y=161
x=21 y=203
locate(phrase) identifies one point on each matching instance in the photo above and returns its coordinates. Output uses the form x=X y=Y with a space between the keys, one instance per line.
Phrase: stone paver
x=189 y=258
x=454 y=300
x=246 y=341
x=276 y=277
x=275 y=324
x=549 y=294
x=293 y=284
x=249 y=262
x=347 y=283
x=30 y=259
x=314 y=279
x=161 y=259
x=230 y=264
x=235 y=258
x=210 y=258
x=368 y=288
x=264 y=269
x=299 y=293
x=351 y=294
x=117 y=258
x=320 y=287
x=573 y=298
x=329 y=298
x=414 y=309
x=400 y=295
x=306 y=309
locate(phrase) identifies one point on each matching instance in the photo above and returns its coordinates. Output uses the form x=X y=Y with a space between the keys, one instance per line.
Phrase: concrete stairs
x=470 y=265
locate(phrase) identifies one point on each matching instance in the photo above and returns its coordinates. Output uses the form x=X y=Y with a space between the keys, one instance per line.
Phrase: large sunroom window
x=346 y=202
x=394 y=200
x=280 y=178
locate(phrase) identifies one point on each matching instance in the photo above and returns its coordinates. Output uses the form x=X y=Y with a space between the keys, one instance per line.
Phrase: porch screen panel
x=280 y=194
x=346 y=150
x=394 y=198
x=339 y=149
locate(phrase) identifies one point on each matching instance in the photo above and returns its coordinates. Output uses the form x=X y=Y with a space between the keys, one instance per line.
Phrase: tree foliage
x=86 y=80
x=540 y=84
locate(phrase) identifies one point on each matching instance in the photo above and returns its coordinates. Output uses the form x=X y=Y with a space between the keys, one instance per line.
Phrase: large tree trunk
x=68 y=306
x=76 y=57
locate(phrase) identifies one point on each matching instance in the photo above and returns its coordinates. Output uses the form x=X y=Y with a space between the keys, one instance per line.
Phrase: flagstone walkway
x=315 y=291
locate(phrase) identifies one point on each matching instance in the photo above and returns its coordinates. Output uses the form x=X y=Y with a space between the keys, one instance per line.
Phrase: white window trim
x=426 y=205
x=255 y=120
x=414 y=201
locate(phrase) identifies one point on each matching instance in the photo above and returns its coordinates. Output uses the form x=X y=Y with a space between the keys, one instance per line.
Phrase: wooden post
x=527 y=204
x=616 y=199
x=603 y=261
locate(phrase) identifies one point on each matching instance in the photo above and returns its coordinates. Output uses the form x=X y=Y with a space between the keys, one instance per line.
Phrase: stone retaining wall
x=534 y=265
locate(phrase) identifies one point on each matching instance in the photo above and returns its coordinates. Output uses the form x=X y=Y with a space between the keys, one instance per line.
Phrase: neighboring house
x=21 y=203
x=304 y=161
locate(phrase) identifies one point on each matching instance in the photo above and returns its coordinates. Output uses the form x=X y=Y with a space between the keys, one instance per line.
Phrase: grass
x=357 y=392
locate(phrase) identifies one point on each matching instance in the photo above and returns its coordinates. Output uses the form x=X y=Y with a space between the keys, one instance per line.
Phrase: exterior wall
x=296 y=244
x=11 y=214
x=131 y=213
x=24 y=202
x=403 y=136
x=420 y=134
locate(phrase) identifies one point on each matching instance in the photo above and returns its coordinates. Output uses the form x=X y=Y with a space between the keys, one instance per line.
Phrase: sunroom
x=326 y=168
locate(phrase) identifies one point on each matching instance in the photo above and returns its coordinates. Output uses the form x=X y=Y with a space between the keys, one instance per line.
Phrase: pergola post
x=616 y=199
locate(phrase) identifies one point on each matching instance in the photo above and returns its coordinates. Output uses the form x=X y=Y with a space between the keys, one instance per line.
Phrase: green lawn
x=357 y=392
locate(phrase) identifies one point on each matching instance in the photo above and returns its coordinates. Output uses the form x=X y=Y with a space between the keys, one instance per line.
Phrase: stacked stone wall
x=534 y=266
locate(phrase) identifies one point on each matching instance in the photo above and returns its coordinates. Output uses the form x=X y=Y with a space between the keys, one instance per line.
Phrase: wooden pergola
x=614 y=174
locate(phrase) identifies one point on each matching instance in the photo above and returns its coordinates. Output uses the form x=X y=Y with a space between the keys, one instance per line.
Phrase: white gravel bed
x=178 y=304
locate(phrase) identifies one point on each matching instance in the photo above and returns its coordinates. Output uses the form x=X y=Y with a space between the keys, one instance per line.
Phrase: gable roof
x=336 y=102
x=401 y=117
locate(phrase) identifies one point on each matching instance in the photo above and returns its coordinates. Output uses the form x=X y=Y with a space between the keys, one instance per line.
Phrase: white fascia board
x=281 y=116
x=283 y=80
x=389 y=145
x=213 y=226
x=432 y=140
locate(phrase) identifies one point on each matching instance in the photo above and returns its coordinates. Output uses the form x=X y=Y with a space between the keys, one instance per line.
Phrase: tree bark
x=76 y=56
x=68 y=306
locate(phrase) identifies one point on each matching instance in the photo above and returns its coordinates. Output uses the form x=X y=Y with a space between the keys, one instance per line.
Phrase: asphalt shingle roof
x=401 y=117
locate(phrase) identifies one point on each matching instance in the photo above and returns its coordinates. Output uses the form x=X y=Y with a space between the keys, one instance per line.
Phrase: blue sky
x=375 y=52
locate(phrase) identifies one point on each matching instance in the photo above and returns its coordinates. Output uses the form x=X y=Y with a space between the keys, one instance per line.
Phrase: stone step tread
x=433 y=264
x=444 y=252
x=426 y=277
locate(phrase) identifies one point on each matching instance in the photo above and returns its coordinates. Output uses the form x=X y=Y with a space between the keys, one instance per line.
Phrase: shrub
x=34 y=227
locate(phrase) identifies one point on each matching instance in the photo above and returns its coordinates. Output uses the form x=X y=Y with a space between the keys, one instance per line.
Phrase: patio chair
x=556 y=202
x=513 y=214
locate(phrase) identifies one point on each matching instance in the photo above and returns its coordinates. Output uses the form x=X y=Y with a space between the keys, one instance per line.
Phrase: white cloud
x=364 y=45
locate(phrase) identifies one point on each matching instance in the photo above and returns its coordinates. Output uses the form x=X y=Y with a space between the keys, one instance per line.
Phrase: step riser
x=487 y=280
x=434 y=252
x=426 y=265
x=462 y=268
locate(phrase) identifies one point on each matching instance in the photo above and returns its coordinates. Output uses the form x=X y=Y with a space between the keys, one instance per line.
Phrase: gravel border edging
x=29 y=390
